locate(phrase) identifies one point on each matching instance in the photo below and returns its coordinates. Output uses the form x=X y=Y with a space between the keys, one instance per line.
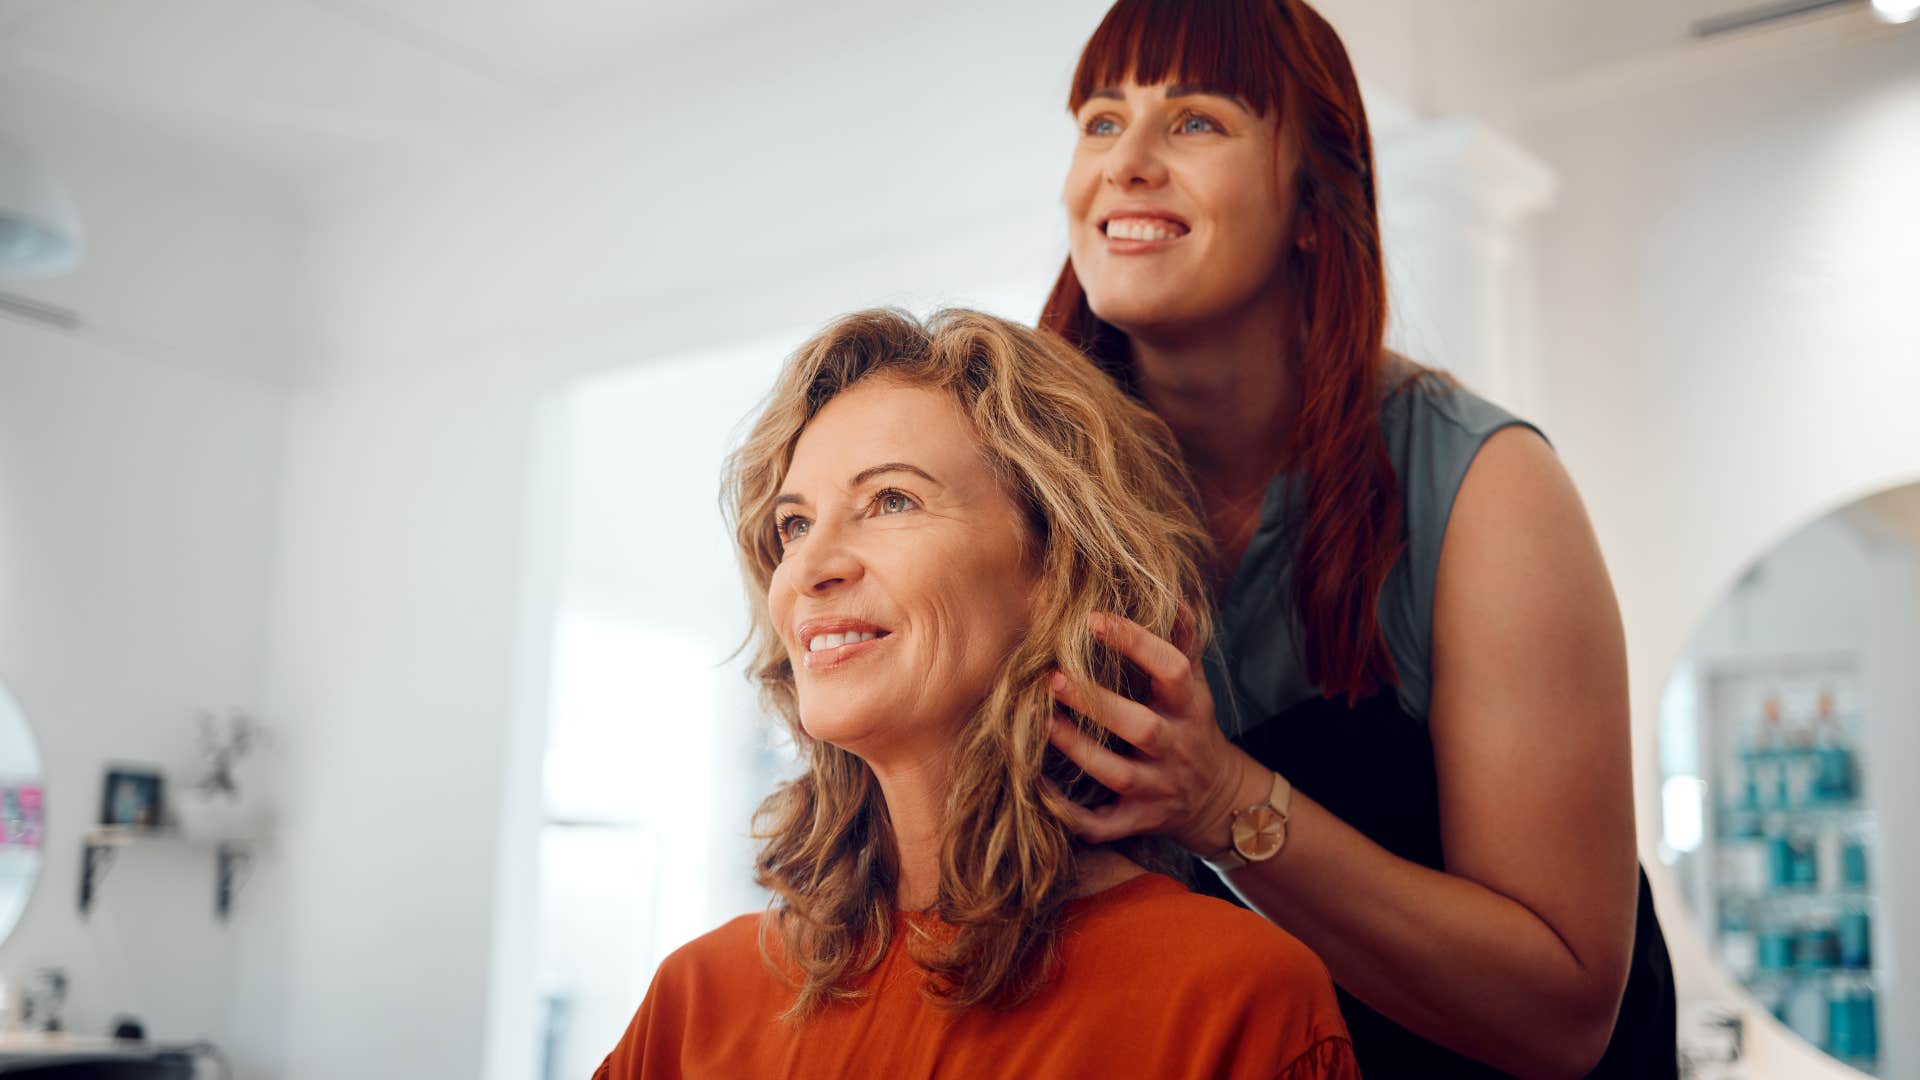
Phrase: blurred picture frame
x=132 y=798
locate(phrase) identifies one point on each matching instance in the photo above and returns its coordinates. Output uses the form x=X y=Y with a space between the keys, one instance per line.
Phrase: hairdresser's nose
x=1136 y=159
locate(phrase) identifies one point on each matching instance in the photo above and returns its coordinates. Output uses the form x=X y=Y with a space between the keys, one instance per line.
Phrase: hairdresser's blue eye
x=1103 y=125
x=1195 y=124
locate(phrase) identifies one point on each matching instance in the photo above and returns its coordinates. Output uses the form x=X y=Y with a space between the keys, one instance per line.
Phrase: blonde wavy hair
x=1110 y=526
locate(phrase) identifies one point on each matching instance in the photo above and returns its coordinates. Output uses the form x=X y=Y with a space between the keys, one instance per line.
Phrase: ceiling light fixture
x=39 y=229
x=1897 y=11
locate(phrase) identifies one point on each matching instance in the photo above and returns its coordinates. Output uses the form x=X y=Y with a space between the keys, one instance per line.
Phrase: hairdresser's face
x=1179 y=207
x=895 y=532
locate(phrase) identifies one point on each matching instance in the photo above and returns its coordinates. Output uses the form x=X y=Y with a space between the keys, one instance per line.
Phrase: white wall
x=137 y=508
x=1727 y=345
x=139 y=498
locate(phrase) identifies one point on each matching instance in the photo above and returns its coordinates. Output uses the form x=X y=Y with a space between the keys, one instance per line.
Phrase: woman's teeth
x=834 y=641
x=1142 y=229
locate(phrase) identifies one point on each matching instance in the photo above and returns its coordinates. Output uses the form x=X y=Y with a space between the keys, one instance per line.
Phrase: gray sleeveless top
x=1433 y=431
x=1371 y=763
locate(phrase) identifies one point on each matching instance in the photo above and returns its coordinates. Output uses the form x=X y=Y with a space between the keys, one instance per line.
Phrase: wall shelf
x=101 y=846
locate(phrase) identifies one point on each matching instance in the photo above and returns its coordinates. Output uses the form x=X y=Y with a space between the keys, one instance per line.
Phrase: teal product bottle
x=1855 y=930
x=1749 y=782
x=1780 y=863
x=1770 y=760
x=1853 y=862
x=1776 y=947
x=1840 y=1016
x=1866 y=1035
x=1806 y=861
x=1834 y=768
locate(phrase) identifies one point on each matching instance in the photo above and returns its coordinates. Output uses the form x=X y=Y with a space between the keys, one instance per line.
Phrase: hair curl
x=1110 y=526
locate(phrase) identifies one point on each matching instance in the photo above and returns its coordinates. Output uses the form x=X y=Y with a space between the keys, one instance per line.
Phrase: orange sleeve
x=651 y=1045
x=700 y=988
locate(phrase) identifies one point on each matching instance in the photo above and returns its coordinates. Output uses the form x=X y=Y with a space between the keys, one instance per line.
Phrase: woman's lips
x=829 y=659
x=1137 y=234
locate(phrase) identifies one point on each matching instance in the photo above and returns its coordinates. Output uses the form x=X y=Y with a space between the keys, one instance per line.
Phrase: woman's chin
x=1145 y=316
x=844 y=728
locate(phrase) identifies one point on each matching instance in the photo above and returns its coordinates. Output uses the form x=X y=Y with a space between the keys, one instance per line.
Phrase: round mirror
x=21 y=815
x=1790 y=762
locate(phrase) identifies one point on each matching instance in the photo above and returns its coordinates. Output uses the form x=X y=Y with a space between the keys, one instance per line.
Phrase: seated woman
x=930 y=518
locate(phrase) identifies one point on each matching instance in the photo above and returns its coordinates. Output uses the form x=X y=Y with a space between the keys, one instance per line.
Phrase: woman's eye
x=1102 y=125
x=1195 y=124
x=791 y=528
x=892 y=502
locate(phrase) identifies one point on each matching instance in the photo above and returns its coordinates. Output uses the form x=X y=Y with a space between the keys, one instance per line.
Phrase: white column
x=1456 y=197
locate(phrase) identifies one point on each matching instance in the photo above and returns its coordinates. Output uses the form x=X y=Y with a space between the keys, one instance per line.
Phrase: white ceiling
x=305 y=88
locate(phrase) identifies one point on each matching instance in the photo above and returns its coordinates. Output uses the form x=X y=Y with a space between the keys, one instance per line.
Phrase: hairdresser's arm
x=1516 y=955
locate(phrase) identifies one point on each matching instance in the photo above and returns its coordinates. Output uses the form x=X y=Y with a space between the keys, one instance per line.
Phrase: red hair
x=1281 y=57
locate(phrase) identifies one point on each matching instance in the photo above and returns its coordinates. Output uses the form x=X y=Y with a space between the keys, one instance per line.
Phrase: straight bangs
x=1227 y=46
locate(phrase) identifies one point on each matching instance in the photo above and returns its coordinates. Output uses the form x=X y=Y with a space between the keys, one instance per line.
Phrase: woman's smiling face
x=904 y=576
x=1179 y=205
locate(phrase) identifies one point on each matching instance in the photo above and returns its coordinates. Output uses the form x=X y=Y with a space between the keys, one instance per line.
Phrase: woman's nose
x=826 y=563
x=1134 y=160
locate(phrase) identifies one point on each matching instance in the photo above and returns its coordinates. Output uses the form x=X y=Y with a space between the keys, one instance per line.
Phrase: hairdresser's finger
x=1184 y=632
x=1124 y=717
x=1168 y=667
x=1122 y=776
x=1114 y=821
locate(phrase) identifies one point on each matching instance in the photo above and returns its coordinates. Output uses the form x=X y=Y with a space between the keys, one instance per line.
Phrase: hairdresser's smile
x=1140 y=230
x=903 y=576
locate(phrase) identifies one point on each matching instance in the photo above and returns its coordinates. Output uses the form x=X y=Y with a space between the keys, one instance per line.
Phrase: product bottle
x=1866 y=1035
x=1739 y=944
x=1856 y=938
x=1853 y=862
x=1840 y=1016
x=1769 y=760
x=1833 y=774
x=1798 y=764
x=1807 y=1010
x=1780 y=861
x=1806 y=860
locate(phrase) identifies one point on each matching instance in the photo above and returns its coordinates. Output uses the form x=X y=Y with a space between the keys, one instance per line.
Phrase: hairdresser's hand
x=1185 y=782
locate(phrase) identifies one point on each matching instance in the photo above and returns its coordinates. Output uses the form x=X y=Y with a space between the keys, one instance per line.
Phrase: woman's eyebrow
x=870 y=472
x=861 y=477
x=1194 y=89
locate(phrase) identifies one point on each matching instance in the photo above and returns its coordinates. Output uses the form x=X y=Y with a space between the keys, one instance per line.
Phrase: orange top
x=1153 y=981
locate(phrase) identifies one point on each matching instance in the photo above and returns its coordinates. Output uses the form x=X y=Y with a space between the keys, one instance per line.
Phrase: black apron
x=1372 y=767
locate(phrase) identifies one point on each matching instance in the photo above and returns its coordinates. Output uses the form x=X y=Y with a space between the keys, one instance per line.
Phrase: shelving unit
x=1790 y=840
x=100 y=847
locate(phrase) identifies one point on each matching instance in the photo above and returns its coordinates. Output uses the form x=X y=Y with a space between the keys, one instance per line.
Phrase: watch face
x=1258 y=833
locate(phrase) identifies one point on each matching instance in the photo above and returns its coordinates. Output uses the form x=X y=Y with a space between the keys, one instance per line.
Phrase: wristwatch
x=1258 y=832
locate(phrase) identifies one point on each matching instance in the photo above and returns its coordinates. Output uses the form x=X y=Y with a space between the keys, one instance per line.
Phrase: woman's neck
x=1228 y=391
x=916 y=803
x=915 y=793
